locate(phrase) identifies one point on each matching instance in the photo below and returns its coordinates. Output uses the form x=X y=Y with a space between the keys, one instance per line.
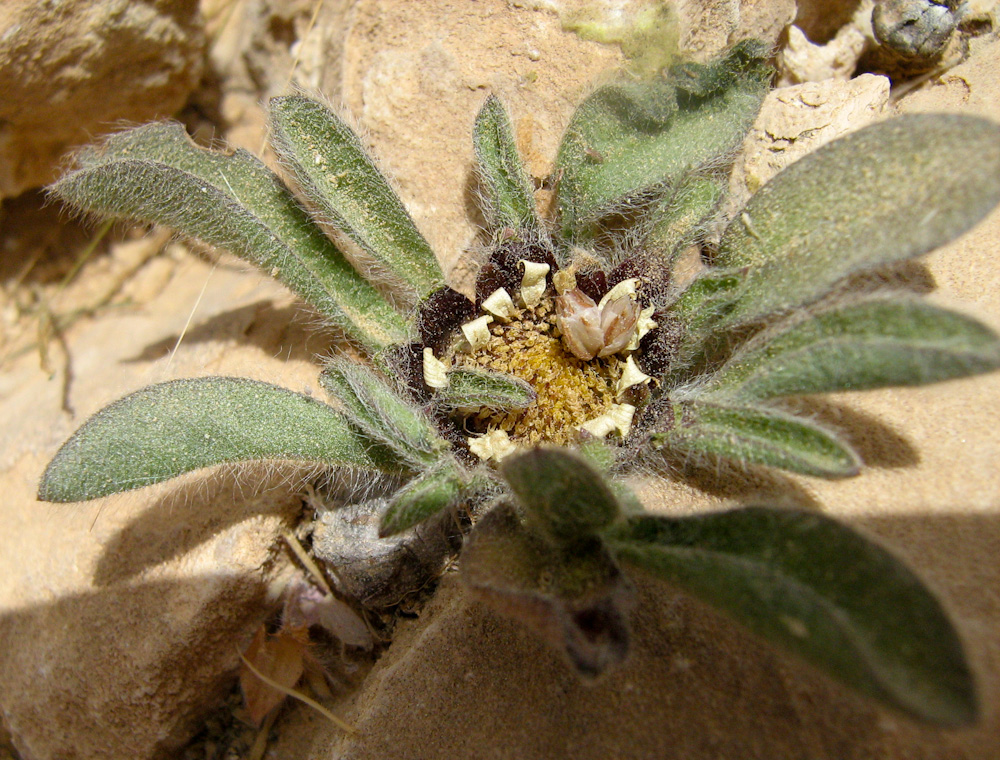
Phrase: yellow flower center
x=571 y=391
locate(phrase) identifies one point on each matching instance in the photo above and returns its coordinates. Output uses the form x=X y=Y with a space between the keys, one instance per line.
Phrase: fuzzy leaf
x=563 y=495
x=509 y=201
x=758 y=436
x=705 y=302
x=156 y=174
x=628 y=139
x=575 y=597
x=440 y=488
x=885 y=193
x=165 y=430
x=602 y=455
x=381 y=413
x=335 y=173
x=821 y=591
x=870 y=344
x=478 y=389
x=678 y=220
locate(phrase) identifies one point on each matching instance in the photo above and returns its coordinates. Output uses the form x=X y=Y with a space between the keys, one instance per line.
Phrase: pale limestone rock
x=708 y=27
x=415 y=79
x=121 y=619
x=764 y=20
x=796 y=120
x=69 y=71
x=802 y=61
x=821 y=19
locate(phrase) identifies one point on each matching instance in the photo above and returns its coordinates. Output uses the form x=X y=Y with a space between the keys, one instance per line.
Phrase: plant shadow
x=130 y=670
x=294 y=329
x=193 y=510
x=878 y=443
x=743 y=484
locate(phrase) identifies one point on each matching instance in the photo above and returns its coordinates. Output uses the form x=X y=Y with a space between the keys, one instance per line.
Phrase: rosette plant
x=582 y=355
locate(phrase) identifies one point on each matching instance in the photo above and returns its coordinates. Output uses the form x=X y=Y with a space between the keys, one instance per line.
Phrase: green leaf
x=602 y=455
x=703 y=304
x=885 y=193
x=156 y=174
x=628 y=139
x=335 y=173
x=707 y=298
x=757 y=435
x=563 y=495
x=165 y=430
x=375 y=408
x=479 y=389
x=574 y=597
x=509 y=200
x=678 y=220
x=870 y=344
x=440 y=488
x=820 y=590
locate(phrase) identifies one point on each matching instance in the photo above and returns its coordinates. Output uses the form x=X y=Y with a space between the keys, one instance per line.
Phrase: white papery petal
x=621 y=290
x=500 y=304
x=631 y=375
x=533 y=283
x=477 y=332
x=643 y=326
x=495 y=445
x=618 y=417
x=435 y=371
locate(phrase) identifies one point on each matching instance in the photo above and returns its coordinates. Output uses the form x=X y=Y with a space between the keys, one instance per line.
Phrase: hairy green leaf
x=869 y=344
x=479 y=389
x=888 y=192
x=375 y=408
x=155 y=173
x=628 y=139
x=821 y=591
x=563 y=495
x=759 y=436
x=678 y=220
x=703 y=304
x=440 y=488
x=165 y=430
x=338 y=177
x=509 y=200
x=574 y=596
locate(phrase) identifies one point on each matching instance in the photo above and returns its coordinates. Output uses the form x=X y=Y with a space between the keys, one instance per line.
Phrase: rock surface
x=464 y=682
x=71 y=71
x=796 y=120
x=120 y=621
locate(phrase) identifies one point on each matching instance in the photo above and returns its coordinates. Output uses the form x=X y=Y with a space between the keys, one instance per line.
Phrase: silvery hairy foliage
x=582 y=356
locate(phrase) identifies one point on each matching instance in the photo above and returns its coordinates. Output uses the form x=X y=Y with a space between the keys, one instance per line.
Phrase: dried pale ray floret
x=618 y=417
x=644 y=325
x=631 y=375
x=500 y=304
x=533 y=282
x=435 y=371
x=477 y=332
x=495 y=445
x=624 y=289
